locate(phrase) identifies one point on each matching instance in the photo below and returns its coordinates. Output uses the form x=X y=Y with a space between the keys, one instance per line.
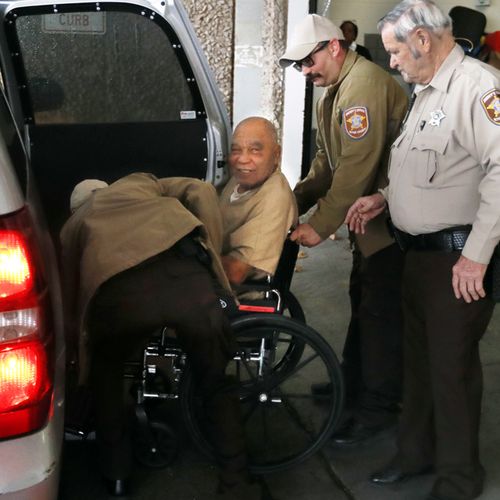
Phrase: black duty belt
x=448 y=240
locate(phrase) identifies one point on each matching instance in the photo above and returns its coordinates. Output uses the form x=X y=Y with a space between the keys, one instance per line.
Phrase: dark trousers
x=443 y=377
x=372 y=355
x=177 y=291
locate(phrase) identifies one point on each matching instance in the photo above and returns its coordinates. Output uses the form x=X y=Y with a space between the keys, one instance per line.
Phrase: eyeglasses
x=308 y=61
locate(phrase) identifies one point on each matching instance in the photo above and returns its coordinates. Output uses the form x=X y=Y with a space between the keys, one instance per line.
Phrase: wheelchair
x=278 y=359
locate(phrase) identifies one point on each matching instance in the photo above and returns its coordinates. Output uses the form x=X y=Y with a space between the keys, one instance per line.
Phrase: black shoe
x=355 y=432
x=117 y=487
x=393 y=474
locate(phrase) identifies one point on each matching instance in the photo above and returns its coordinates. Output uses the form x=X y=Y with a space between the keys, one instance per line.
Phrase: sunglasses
x=308 y=61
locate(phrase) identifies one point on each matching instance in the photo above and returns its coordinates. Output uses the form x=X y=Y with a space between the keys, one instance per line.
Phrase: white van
x=96 y=90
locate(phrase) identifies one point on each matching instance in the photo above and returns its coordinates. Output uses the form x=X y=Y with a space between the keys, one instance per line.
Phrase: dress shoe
x=393 y=474
x=354 y=432
x=117 y=487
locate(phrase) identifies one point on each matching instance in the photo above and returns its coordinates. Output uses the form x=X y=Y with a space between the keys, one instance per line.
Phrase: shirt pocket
x=427 y=151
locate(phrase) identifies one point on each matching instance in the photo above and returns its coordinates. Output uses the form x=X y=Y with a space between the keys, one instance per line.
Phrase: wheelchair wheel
x=284 y=422
x=156 y=446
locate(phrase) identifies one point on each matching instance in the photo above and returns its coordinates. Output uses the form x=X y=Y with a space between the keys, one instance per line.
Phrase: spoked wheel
x=284 y=421
x=156 y=445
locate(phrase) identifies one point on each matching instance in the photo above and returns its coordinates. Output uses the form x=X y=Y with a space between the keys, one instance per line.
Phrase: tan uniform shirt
x=358 y=119
x=256 y=224
x=123 y=225
x=445 y=166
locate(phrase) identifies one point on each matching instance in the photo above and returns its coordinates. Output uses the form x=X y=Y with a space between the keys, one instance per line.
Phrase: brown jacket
x=358 y=119
x=124 y=224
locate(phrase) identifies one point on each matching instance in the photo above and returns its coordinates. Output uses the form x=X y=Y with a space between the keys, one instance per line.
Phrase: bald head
x=259 y=121
x=255 y=152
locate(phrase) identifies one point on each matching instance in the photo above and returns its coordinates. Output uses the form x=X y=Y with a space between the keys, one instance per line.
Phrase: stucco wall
x=213 y=22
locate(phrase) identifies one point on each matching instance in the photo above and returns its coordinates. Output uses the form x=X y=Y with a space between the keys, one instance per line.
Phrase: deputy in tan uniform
x=257 y=205
x=444 y=200
x=359 y=116
x=138 y=255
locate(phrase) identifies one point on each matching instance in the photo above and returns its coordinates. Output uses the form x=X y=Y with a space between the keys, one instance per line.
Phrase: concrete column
x=213 y=21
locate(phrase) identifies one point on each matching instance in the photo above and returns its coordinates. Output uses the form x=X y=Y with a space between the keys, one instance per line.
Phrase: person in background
x=359 y=116
x=350 y=31
x=444 y=200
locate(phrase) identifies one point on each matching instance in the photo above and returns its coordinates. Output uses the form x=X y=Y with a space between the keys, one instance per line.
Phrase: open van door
x=107 y=88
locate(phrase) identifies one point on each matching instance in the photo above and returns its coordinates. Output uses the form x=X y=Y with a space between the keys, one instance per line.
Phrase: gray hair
x=409 y=15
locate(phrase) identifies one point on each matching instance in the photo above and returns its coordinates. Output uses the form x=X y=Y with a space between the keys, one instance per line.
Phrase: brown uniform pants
x=442 y=377
x=177 y=291
x=372 y=356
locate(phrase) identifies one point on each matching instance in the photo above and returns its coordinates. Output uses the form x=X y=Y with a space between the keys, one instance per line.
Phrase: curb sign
x=75 y=22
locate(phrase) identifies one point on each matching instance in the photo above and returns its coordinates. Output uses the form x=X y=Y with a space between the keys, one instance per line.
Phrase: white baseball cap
x=82 y=192
x=306 y=35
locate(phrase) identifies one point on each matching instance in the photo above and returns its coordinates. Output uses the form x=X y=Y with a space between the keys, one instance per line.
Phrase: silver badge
x=436 y=117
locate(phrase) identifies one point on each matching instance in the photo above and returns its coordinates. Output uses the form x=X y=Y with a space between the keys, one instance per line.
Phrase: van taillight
x=26 y=378
x=15 y=272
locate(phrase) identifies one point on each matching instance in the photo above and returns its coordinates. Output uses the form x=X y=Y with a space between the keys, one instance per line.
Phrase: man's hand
x=363 y=210
x=467 y=280
x=305 y=235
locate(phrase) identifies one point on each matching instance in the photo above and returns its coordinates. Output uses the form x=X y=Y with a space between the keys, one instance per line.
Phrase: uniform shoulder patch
x=356 y=122
x=491 y=104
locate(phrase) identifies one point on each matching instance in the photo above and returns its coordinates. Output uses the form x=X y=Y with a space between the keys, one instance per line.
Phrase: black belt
x=448 y=240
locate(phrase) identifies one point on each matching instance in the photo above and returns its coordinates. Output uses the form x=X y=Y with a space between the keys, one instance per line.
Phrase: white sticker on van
x=75 y=22
x=188 y=115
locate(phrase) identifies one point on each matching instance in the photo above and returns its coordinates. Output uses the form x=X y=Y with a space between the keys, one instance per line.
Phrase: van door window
x=102 y=67
x=106 y=89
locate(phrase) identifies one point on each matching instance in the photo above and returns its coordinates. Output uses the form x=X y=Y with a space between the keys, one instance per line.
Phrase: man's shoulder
x=363 y=68
x=478 y=75
x=278 y=184
x=365 y=76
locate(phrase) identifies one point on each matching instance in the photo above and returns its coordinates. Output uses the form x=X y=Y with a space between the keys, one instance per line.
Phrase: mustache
x=311 y=76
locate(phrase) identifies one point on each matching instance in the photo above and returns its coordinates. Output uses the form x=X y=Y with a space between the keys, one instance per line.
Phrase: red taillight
x=15 y=268
x=25 y=359
x=24 y=388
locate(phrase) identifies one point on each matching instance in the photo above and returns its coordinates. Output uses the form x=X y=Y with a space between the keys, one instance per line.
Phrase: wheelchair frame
x=278 y=360
x=273 y=358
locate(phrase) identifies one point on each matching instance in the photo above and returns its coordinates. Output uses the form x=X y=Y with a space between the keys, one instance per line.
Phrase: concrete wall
x=366 y=13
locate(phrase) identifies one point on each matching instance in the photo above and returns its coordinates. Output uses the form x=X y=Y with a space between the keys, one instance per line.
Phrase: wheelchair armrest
x=270 y=302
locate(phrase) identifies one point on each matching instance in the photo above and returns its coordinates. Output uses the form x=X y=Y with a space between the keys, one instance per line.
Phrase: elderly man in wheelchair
x=143 y=254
